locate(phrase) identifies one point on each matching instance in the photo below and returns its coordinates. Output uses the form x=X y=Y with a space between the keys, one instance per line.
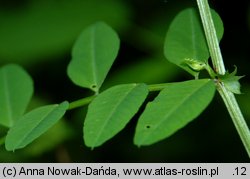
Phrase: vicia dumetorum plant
x=191 y=40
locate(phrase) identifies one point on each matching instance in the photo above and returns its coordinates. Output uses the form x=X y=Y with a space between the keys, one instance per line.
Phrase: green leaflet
x=93 y=55
x=172 y=109
x=185 y=39
x=16 y=89
x=33 y=124
x=110 y=111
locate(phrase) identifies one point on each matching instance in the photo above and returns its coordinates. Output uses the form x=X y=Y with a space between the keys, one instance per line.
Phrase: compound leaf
x=110 y=111
x=16 y=89
x=93 y=55
x=185 y=38
x=172 y=109
x=33 y=124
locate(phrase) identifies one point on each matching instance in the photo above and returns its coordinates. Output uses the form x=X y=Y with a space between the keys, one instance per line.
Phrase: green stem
x=81 y=102
x=227 y=96
x=87 y=100
x=158 y=87
x=236 y=115
x=210 y=71
x=211 y=36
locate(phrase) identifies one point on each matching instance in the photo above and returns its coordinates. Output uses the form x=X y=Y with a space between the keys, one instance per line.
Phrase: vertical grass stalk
x=217 y=60
x=236 y=115
x=212 y=40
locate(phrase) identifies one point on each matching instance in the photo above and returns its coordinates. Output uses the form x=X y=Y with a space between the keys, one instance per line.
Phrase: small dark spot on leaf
x=148 y=126
x=93 y=86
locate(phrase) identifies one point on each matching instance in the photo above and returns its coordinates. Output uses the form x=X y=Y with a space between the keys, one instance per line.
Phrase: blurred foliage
x=43 y=28
x=39 y=34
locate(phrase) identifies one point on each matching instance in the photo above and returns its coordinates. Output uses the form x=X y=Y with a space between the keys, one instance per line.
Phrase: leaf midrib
x=36 y=126
x=94 y=61
x=111 y=114
x=7 y=98
x=173 y=110
x=192 y=25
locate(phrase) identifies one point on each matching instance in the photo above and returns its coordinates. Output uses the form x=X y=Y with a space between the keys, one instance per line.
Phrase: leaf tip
x=9 y=146
x=65 y=104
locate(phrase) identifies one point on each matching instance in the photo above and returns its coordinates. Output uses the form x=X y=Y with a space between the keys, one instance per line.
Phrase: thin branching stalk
x=87 y=100
x=81 y=102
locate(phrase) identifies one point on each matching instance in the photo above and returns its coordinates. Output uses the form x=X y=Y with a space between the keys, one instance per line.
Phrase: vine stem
x=217 y=60
x=210 y=33
x=158 y=87
x=81 y=102
x=235 y=113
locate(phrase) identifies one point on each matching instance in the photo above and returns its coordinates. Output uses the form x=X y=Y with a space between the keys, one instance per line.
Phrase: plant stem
x=227 y=96
x=81 y=102
x=212 y=40
x=87 y=100
x=235 y=113
x=158 y=87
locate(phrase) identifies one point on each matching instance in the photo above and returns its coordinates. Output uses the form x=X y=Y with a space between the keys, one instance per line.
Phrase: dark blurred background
x=39 y=34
